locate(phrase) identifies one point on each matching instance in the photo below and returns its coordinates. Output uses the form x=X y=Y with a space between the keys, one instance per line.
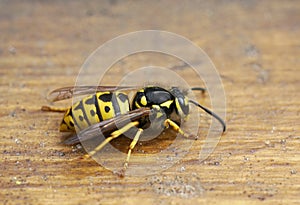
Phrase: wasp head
x=181 y=102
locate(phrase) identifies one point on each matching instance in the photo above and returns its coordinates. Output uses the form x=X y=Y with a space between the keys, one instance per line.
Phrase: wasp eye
x=183 y=102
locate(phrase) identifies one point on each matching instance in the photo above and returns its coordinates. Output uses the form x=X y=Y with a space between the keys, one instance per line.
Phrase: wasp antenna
x=211 y=113
x=203 y=90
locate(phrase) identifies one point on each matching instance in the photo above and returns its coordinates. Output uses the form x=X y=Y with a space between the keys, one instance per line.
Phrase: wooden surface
x=255 y=46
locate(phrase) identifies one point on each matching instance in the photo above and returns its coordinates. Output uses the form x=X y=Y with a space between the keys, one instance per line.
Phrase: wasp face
x=181 y=102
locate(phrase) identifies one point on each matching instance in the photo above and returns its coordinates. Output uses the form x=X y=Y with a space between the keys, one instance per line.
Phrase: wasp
x=109 y=112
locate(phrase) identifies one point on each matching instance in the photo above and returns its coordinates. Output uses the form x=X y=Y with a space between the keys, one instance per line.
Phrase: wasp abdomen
x=93 y=109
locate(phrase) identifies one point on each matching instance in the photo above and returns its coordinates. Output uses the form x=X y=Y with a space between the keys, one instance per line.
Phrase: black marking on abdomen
x=71 y=124
x=122 y=97
x=105 y=97
x=107 y=109
x=115 y=105
x=80 y=106
x=92 y=112
x=91 y=101
x=97 y=108
x=75 y=122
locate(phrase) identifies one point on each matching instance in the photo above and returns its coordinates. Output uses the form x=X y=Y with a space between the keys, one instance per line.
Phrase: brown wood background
x=255 y=46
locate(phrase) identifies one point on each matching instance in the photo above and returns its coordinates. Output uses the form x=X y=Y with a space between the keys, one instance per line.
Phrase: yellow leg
x=53 y=109
x=114 y=135
x=132 y=145
x=175 y=127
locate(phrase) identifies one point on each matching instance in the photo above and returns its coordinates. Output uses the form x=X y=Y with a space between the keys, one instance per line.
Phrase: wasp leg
x=113 y=135
x=131 y=146
x=175 y=127
x=53 y=109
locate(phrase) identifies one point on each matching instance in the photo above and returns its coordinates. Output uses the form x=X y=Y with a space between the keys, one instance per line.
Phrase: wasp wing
x=108 y=126
x=68 y=92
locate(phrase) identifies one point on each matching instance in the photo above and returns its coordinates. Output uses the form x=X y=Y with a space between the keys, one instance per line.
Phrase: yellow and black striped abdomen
x=93 y=109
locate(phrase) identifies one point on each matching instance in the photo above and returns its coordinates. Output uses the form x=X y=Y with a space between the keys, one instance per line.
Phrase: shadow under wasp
x=109 y=112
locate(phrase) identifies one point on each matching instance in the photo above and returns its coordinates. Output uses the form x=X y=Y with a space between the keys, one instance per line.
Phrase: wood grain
x=255 y=47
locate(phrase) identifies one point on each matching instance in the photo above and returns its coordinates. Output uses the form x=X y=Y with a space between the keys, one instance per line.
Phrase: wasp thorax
x=140 y=100
x=152 y=97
